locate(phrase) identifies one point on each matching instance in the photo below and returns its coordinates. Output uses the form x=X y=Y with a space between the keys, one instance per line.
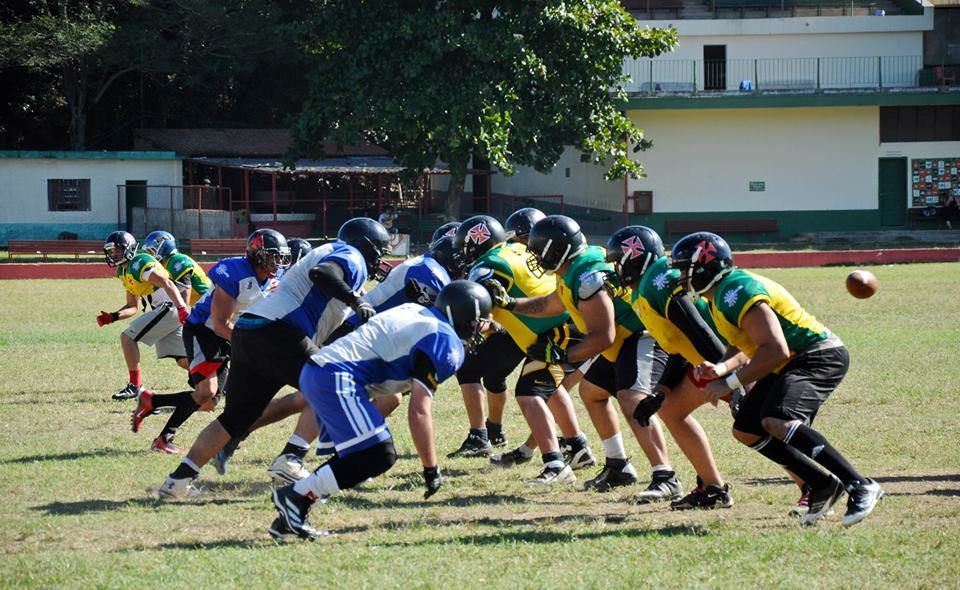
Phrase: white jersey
x=298 y=302
x=391 y=291
x=379 y=355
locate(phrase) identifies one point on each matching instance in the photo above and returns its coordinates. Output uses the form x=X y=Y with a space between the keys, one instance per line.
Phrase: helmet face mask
x=554 y=240
x=268 y=249
x=372 y=240
x=703 y=258
x=119 y=248
x=478 y=235
x=467 y=307
x=299 y=248
x=160 y=244
x=632 y=250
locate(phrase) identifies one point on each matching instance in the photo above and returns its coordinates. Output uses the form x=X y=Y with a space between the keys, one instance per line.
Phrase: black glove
x=647 y=407
x=364 y=311
x=433 y=480
x=499 y=294
x=417 y=292
x=736 y=399
x=547 y=351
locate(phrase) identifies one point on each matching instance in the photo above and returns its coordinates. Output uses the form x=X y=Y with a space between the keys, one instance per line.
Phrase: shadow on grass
x=105 y=452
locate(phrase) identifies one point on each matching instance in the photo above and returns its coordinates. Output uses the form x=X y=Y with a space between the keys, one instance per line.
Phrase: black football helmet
x=465 y=304
x=447 y=229
x=119 y=248
x=703 y=258
x=632 y=250
x=519 y=223
x=554 y=240
x=268 y=249
x=449 y=257
x=298 y=249
x=478 y=235
x=372 y=240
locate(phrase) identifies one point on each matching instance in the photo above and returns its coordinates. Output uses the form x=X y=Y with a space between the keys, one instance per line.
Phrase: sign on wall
x=929 y=177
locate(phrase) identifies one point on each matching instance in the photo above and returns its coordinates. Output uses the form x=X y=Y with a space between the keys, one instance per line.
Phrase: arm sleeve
x=684 y=315
x=330 y=280
x=424 y=371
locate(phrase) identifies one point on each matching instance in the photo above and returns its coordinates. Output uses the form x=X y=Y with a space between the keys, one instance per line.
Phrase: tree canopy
x=513 y=82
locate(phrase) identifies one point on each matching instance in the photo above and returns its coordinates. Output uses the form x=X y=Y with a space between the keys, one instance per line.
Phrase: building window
x=68 y=194
x=924 y=123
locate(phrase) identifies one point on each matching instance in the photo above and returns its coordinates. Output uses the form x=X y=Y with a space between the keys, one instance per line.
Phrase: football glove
x=433 y=480
x=183 y=312
x=364 y=311
x=417 y=292
x=647 y=407
x=547 y=351
x=736 y=400
x=106 y=317
x=499 y=294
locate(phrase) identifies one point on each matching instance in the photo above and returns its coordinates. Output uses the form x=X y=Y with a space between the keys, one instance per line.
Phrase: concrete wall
x=23 y=192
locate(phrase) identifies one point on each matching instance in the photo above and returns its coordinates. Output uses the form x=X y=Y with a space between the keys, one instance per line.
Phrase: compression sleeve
x=424 y=371
x=684 y=315
x=329 y=278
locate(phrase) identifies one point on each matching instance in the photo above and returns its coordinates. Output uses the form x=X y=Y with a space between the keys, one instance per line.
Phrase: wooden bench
x=926 y=217
x=218 y=247
x=44 y=247
x=721 y=226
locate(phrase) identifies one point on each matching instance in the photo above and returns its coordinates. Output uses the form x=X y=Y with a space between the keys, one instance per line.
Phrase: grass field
x=79 y=508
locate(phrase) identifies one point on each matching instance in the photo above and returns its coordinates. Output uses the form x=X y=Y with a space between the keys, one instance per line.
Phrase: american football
x=862 y=284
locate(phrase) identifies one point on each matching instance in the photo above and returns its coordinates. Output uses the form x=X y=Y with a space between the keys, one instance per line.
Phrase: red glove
x=182 y=312
x=105 y=318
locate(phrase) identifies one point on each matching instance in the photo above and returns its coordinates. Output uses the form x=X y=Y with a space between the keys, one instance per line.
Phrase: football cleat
x=578 y=459
x=551 y=476
x=822 y=500
x=144 y=408
x=473 y=446
x=704 y=498
x=803 y=504
x=616 y=473
x=510 y=458
x=129 y=392
x=664 y=486
x=862 y=497
x=287 y=468
x=164 y=444
x=178 y=489
x=294 y=510
x=223 y=456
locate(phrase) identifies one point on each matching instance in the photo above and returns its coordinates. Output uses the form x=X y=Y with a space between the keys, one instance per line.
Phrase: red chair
x=944 y=75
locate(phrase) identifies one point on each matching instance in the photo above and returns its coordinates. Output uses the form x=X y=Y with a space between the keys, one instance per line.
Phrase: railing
x=797 y=74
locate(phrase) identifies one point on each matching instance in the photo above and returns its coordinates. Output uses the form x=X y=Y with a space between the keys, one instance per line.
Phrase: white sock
x=613 y=447
x=526 y=451
x=298 y=441
x=321 y=483
x=190 y=464
x=662 y=467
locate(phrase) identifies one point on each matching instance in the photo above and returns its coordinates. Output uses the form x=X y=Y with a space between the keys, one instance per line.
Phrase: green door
x=893 y=192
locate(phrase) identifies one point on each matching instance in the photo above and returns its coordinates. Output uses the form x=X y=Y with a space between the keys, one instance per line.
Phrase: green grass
x=79 y=510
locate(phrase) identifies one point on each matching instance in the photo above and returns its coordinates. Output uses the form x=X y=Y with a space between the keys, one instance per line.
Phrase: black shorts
x=639 y=366
x=796 y=392
x=674 y=371
x=207 y=351
x=264 y=360
x=492 y=362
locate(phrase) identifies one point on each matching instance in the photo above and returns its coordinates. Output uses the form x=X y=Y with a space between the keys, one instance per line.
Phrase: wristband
x=720 y=369
x=733 y=382
x=115 y=315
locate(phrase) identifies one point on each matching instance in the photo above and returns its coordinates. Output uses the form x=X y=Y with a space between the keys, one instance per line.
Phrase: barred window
x=68 y=194
x=920 y=123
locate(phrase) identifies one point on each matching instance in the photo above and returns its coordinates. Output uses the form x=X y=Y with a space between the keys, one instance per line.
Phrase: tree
x=512 y=81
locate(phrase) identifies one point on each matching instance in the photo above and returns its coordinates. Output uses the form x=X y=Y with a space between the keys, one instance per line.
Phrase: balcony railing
x=796 y=74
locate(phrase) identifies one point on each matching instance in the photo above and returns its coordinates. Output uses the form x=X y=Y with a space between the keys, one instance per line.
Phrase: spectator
x=388 y=219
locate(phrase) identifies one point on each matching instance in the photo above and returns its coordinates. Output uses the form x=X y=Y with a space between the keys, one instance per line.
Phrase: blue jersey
x=379 y=355
x=298 y=302
x=237 y=278
x=390 y=293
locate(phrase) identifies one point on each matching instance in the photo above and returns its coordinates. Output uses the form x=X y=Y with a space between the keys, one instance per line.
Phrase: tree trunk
x=458 y=177
x=77 y=101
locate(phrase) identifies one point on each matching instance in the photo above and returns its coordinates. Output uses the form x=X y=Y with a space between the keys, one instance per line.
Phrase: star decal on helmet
x=478 y=234
x=633 y=247
x=706 y=252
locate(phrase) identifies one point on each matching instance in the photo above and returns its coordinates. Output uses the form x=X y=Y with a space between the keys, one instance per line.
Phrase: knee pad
x=355 y=468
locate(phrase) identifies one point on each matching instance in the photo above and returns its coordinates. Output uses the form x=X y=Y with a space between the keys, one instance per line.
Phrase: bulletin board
x=930 y=176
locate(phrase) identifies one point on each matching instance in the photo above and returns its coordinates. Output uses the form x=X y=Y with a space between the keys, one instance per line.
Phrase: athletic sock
x=319 y=484
x=184 y=409
x=160 y=400
x=296 y=445
x=814 y=445
x=185 y=470
x=480 y=432
x=613 y=447
x=136 y=378
x=553 y=461
x=792 y=459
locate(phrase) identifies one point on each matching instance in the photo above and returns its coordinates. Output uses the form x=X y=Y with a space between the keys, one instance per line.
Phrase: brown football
x=862 y=284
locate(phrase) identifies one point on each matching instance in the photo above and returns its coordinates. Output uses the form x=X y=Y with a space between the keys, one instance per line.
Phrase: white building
x=823 y=123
